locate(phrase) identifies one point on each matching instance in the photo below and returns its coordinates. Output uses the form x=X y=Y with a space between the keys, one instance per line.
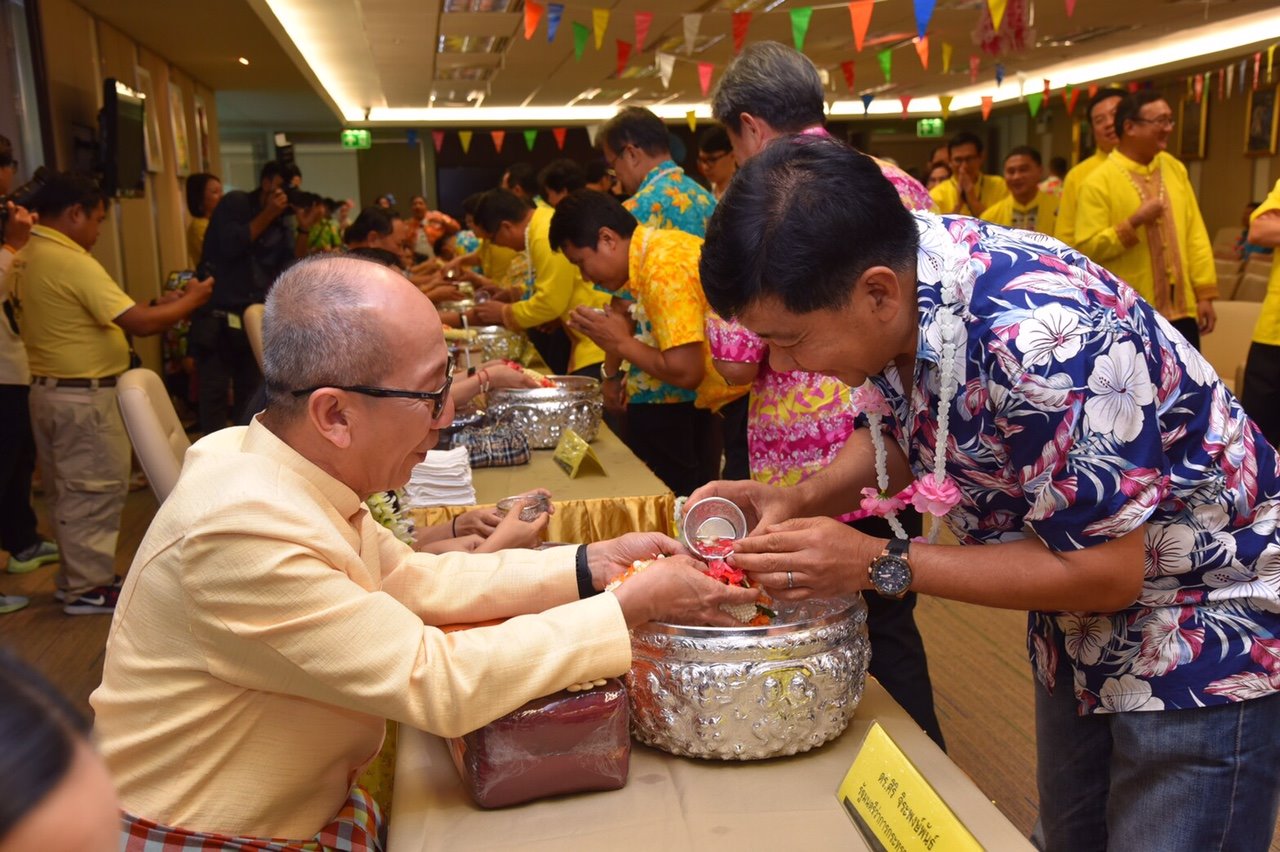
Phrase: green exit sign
x=357 y=138
x=929 y=128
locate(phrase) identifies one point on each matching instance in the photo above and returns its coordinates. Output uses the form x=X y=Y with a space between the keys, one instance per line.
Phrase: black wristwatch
x=890 y=572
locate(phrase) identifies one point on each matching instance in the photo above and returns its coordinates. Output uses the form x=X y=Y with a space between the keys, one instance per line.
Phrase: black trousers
x=224 y=361
x=897 y=651
x=553 y=344
x=1260 y=395
x=678 y=441
x=17 y=462
x=737 y=463
x=1188 y=327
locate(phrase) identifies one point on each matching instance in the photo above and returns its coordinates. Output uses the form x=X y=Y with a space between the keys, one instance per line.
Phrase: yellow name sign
x=575 y=455
x=893 y=807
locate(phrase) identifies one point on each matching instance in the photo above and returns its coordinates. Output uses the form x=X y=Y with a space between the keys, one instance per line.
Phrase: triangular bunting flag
x=411 y=138
x=1241 y=74
x=559 y=133
x=691 y=119
x=922 y=51
x=866 y=103
x=498 y=136
x=705 y=70
x=860 y=18
x=944 y=101
x=530 y=136
x=847 y=68
x=885 y=58
x=946 y=57
x=599 y=23
x=1134 y=86
x=1197 y=86
x=691 y=25
x=1046 y=90
x=1271 y=55
x=1072 y=96
x=1071 y=8
x=592 y=130
x=643 y=21
x=1257 y=68
x=1093 y=90
x=666 y=65
x=800 y=26
x=996 y=8
x=974 y=63
x=555 y=11
x=924 y=11
x=741 y=20
x=905 y=100
x=987 y=102
x=581 y=32
x=999 y=74
x=437 y=136
x=464 y=136
x=1033 y=102
x=624 y=53
x=532 y=15
x=1221 y=77
x=1022 y=86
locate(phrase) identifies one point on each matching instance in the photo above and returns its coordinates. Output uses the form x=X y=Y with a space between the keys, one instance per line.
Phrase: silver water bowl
x=542 y=414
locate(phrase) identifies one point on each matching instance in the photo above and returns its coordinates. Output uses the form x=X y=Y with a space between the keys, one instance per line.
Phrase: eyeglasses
x=1163 y=121
x=712 y=159
x=436 y=398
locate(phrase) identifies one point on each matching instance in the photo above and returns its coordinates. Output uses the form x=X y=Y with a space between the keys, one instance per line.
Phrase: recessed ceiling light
x=243 y=61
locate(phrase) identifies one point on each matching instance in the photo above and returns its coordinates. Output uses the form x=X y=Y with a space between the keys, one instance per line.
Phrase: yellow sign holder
x=575 y=455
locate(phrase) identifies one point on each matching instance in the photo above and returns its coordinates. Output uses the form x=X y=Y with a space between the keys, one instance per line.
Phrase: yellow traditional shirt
x=1109 y=197
x=1268 y=328
x=269 y=627
x=991 y=188
x=1066 y=225
x=671 y=310
x=68 y=308
x=558 y=288
x=494 y=260
x=1039 y=215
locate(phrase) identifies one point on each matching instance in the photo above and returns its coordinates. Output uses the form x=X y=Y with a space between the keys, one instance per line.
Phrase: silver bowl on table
x=542 y=414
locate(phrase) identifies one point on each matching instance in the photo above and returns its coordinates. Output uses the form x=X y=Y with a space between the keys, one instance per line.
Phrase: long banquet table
x=674 y=803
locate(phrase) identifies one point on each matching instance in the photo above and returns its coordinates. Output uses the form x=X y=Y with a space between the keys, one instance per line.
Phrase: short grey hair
x=319 y=330
x=773 y=82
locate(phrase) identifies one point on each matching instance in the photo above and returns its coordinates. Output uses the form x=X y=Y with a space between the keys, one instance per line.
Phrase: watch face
x=890 y=575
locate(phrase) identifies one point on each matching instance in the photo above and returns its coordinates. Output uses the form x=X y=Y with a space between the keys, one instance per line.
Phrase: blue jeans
x=1196 y=780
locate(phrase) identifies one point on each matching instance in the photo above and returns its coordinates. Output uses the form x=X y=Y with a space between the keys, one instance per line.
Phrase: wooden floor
x=977 y=658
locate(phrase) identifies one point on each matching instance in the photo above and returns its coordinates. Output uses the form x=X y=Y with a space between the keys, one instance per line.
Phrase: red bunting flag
x=922 y=51
x=1046 y=90
x=624 y=53
x=1222 y=82
x=1070 y=96
x=1071 y=8
x=704 y=76
x=847 y=68
x=905 y=100
x=437 y=136
x=559 y=134
x=1198 y=86
x=1134 y=86
x=498 y=136
x=1257 y=68
x=860 y=19
x=643 y=21
x=974 y=62
x=987 y=102
x=1093 y=90
x=532 y=16
x=741 y=20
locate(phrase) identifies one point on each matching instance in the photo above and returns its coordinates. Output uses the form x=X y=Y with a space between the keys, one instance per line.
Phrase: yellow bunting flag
x=944 y=101
x=691 y=117
x=464 y=136
x=996 y=8
x=600 y=23
x=946 y=58
x=1271 y=55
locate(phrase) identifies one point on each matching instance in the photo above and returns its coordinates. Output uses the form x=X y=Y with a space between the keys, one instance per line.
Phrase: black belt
x=106 y=382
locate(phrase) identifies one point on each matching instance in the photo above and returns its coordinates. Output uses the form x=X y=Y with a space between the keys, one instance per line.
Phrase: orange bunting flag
x=860 y=18
x=946 y=58
x=464 y=136
x=987 y=102
x=643 y=22
x=922 y=51
x=1093 y=90
x=559 y=133
x=437 y=136
x=1198 y=87
x=599 y=23
x=741 y=20
x=996 y=8
x=704 y=76
x=905 y=100
x=1069 y=97
x=944 y=101
x=691 y=119
x=498 y=136
x=847 y=68
x=532 y=15
x=1046 y=90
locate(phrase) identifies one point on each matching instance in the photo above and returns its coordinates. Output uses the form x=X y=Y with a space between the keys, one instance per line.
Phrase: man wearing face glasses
x=288 y=625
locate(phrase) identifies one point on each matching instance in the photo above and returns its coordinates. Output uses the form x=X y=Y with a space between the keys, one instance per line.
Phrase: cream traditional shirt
x=269 y=626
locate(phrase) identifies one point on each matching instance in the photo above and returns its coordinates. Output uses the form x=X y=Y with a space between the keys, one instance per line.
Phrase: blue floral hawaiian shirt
x=669 y=198
x=1080 y=416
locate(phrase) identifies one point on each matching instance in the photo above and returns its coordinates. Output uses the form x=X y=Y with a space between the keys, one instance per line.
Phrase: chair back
x=159 y=441
x=1227 y=346
x=253 y=330
x=1252 y=288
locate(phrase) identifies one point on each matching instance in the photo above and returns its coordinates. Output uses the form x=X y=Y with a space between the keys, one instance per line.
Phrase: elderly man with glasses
x=269 y=626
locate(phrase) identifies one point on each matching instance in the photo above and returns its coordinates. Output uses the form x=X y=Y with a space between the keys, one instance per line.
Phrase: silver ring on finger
x=791 y=581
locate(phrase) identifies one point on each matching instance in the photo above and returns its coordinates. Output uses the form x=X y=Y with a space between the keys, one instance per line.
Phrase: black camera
x=22 y=196
x=301 y=199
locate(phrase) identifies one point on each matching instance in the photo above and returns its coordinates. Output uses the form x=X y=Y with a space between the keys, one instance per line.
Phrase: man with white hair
x=269 y=626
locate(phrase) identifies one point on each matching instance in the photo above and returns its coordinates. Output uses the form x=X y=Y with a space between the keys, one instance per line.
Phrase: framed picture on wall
x=1262 y=119
x=203 y=161
x=151 y=130
x=1193 y=126
x=178 y=119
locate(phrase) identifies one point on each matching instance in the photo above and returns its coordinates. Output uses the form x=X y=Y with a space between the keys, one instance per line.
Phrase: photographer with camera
x=249 y=243
x=27 y=551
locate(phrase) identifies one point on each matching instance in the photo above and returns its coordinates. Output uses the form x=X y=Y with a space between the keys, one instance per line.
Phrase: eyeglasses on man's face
x=436 y=398
x=712 y=159
x=1163 y=121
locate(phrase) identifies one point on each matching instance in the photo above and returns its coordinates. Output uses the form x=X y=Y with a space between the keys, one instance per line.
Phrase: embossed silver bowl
x=748 y=693
x=542 y=414
x=499 y=342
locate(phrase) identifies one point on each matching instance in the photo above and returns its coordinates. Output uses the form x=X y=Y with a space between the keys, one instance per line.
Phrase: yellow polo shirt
x=1109 y=197
x=1040 y=214
x=1268 y=328
x=1066 y=225
x=558 y=288
x=946 y=195
x=69 y=305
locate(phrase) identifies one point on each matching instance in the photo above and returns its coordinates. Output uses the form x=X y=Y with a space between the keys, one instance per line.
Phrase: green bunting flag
x=800 y=26
x=885 y=58
x=530 y=136
x=581 y=34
